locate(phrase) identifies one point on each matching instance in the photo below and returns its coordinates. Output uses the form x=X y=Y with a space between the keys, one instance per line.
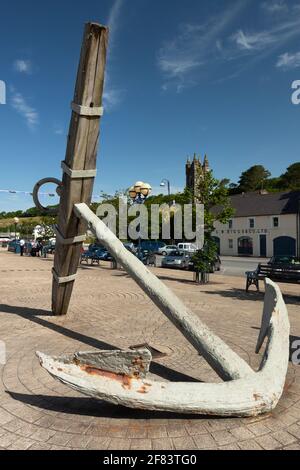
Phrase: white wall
x=263 y=225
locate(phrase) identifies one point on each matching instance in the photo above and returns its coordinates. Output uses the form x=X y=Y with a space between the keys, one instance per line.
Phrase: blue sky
x=208 y=77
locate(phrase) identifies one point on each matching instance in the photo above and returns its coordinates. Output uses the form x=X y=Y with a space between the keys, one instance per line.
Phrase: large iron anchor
x=120 y=377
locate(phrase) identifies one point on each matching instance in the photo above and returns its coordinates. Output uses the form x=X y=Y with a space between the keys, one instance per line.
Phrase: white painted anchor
x=120 y=377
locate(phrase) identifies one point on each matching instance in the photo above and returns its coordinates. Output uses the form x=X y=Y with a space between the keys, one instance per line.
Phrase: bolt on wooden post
x=80 y=163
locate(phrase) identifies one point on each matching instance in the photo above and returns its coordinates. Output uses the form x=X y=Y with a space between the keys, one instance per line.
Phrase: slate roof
x=256 y=203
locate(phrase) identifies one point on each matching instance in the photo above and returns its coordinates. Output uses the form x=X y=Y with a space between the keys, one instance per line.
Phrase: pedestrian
x=22 y=246
x=39 y=248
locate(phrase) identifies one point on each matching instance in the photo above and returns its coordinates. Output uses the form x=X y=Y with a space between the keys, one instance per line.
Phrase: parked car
x=215 y=266
x=4 y=241
x=49 y=248
x=142 y=255
x=95 y=255
x=187 y=247
x=96 y=247
x=130 y=247
x=152 y=245
x=103 y=254
x=176 y=259
x=13 y=245
x=166 y=250
x=284 y=260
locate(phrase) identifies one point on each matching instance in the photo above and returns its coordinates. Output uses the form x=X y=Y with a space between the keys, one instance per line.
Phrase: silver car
x=176 y=259
x=166 y=250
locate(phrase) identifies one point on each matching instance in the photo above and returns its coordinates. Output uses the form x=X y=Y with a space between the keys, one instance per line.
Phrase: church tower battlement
x=194 y=171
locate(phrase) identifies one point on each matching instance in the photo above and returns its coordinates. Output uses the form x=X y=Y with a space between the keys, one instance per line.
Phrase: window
x=251 y=223
x=275 y=222
x=230 y=223
x=230 y=243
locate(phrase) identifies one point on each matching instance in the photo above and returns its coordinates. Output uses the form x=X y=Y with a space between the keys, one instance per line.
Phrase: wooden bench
x=89 y=255
x=277 y=272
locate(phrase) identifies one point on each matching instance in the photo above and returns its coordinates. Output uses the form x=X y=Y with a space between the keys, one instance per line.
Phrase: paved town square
x=108 y=310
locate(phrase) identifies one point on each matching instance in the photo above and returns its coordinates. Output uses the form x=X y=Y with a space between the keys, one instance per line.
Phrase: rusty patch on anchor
x=144 y=388
x=138 y=361
x=123 y=379
x=256 y=396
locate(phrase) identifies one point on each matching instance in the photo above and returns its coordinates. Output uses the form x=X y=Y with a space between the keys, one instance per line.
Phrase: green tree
x=214 y=195
x=253 y=179
x=291 y=178
x=274 y=185
x=203 y=259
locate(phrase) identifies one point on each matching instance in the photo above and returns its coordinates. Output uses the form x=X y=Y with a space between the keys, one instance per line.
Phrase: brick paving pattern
x=109 y=310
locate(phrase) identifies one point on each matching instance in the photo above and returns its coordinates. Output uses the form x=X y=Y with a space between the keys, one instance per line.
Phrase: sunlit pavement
x=109 y=310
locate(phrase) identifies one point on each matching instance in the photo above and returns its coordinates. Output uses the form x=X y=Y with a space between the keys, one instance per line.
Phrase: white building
x=264 y=225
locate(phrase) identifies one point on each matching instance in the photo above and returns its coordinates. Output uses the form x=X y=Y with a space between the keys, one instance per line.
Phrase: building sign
x=243 y=231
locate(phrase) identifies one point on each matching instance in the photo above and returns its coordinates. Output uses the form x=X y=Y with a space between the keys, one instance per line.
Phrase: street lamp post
x=138 y=193
x=165 y=182
x=16 y=221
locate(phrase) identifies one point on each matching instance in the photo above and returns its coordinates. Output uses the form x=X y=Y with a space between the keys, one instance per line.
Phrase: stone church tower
x=194 y=171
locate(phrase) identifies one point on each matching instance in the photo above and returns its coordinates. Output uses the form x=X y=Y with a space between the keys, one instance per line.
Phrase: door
x=245 y=246
x=263 y=245
x=218 y=243
x=284 y=246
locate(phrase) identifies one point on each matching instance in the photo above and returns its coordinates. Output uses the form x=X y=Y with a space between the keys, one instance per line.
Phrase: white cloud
x=276 y=6
x=199 y=50
x=114 y=21
x=289 y=61
x=112 y=95
x=156 y=190
x=181 y=58
x=30 y=114
x=23 y=66
x=178 y=66
x=253 y=41
x=58 y=129
x=262 y=43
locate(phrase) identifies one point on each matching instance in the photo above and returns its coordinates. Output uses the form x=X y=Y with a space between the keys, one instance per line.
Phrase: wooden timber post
x=79 y=167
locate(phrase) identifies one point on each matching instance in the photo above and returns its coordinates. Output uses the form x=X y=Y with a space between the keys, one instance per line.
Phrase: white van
x=187 y=247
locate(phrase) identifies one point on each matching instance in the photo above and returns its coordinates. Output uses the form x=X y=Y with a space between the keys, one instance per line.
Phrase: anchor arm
x=227 y=364
x=250 y=396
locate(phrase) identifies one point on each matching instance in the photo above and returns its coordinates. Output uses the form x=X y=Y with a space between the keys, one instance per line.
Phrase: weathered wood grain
x=81 y=154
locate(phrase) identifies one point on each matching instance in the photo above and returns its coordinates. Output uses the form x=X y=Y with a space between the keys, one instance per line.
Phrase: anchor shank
x=227 y=364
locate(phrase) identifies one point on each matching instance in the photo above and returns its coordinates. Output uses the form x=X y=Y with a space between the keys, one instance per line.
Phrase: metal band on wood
x=77 y=173
x=87 y=110
x=63 y=280
x=68 y=241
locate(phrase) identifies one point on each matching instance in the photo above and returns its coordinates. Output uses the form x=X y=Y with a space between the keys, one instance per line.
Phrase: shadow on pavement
x=90 y=407
x=34 y=315
x=294 y=347
x=241 y=294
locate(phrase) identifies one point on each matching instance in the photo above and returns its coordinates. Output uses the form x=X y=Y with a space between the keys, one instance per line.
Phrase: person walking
x=22 y=246
x=39 y=248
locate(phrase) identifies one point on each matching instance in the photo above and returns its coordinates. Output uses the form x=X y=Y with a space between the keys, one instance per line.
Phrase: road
x=233 y=266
